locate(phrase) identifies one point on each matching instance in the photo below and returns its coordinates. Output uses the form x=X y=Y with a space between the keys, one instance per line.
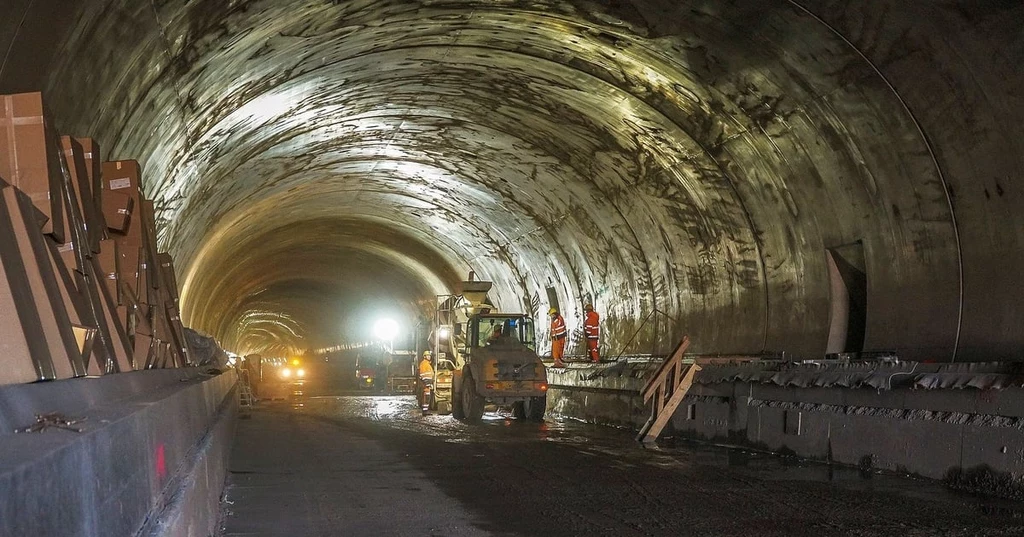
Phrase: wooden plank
x=662 y=373
x=671 y=405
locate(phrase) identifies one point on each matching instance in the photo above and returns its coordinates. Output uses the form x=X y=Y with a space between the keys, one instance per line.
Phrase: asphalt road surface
x=372 y=465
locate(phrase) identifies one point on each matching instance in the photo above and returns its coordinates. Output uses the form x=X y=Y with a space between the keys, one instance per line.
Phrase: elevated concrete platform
x=149 y=459
x=961 y=423
x=604 y=393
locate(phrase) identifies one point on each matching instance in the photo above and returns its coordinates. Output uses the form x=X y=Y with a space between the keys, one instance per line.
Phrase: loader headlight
x=300 y=373
x=286 y=372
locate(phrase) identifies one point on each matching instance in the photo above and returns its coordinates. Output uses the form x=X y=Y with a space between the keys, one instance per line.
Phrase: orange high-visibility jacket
x=591 y=326
x=557 y=327
x=426 y=370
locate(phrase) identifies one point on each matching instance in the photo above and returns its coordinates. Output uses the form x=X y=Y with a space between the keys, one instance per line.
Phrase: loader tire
x=457 y=412
x=534 y=408
x=519 y=410
x=472 y=402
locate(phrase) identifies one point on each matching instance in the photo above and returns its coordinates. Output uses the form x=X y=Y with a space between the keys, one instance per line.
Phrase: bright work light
x=385 y=329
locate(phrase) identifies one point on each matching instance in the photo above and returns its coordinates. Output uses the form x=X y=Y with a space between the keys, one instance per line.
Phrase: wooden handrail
x=666 y=368
x=667 y=387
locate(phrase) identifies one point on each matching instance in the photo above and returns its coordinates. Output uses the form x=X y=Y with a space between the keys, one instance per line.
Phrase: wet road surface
x=371 y=465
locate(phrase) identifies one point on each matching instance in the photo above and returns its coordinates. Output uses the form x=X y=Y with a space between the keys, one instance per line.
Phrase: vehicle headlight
x=286 y=372
x=300 y=373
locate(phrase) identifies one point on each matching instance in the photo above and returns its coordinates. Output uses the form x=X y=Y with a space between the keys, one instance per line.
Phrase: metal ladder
x=667 y=387
x=246 y=399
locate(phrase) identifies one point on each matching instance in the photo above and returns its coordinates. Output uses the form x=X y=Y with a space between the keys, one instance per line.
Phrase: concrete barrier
x=606 y=394
x=150 y=458
x=960 y=424
x=970 y=435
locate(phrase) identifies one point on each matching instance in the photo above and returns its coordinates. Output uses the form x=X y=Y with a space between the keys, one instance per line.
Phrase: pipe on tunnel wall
x=694 y=157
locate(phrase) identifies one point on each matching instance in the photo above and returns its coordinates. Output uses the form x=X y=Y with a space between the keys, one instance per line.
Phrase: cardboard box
x=143 y=323
x=29 y=159
x=128 y=267
x=180 y=345
x=69 y=256
x=142 y=282
x=21 y=331
x=123 y=176
x=117 y=211
x=122 y=318
x=81 y=183
x=143 y=349
x=81 y=304
x=40 y=307
x=149 y=242
x=93 y=172
x=79 y=301
x=120 y=353
x=109 y=263
x=167 y=277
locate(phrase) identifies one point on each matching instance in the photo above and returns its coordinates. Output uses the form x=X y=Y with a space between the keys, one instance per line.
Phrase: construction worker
x=426 y=377
x=495 y=336
x=426 y=367
x=592 y=329
x=557 y=337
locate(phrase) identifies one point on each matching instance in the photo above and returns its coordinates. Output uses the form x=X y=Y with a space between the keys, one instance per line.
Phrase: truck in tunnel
x=800 y=223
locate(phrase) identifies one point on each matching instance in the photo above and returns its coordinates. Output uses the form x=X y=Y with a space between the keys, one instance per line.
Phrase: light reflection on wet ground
x=401 y=412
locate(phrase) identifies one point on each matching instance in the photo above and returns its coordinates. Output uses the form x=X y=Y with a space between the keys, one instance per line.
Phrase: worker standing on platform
x=592 y=329
x=557 y=337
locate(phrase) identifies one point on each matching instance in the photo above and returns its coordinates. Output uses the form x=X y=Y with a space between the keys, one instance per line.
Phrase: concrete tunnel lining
x=695 y=157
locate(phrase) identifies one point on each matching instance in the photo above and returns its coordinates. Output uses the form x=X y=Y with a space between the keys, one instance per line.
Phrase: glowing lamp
x=385 y=329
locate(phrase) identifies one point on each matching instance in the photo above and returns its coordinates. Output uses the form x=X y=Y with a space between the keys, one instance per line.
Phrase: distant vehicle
x=401 y=372
x=291 y=370
x=366 y=373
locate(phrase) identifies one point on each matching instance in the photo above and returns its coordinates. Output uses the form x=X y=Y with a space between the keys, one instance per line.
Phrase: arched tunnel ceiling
x=310 y=159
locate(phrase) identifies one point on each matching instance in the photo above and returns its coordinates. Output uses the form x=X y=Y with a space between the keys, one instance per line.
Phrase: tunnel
x=768 y=181
x=316 y=163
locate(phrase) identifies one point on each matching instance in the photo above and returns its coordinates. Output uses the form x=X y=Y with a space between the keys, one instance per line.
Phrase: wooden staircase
x=666 y=388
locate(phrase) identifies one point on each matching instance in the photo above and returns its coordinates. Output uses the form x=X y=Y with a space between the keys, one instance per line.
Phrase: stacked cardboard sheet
x=83 y=289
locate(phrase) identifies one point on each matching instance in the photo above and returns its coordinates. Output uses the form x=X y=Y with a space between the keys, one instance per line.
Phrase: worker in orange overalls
x=557 y=337
x=426 y=378
x=592 y=329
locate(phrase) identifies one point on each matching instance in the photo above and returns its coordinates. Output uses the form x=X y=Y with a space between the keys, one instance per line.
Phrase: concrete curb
x=153 y=443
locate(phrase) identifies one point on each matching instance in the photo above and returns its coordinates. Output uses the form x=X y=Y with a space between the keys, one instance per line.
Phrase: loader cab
x=500 y=330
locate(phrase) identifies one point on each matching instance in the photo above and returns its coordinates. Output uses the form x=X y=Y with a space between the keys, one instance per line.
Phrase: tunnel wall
x=957 y=71
x=758 y=136
x=151 y=457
